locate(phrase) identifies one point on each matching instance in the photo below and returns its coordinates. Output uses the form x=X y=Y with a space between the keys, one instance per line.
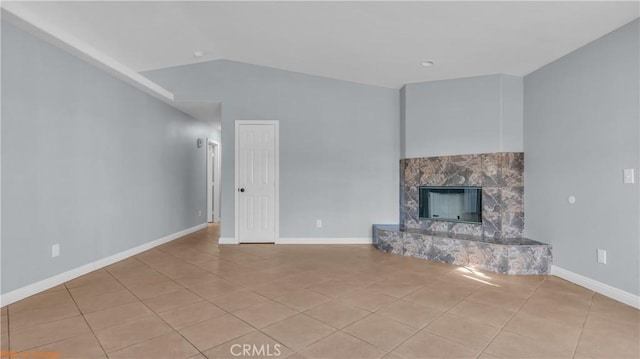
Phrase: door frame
x=276 y=180
x=213 y=209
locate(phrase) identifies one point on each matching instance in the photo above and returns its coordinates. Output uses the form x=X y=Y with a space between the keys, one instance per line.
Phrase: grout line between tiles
x=584 y=323
x=86 y=322
x=512 y=316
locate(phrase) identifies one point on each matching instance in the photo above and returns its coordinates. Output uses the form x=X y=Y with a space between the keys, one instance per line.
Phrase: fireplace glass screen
x=455 y=204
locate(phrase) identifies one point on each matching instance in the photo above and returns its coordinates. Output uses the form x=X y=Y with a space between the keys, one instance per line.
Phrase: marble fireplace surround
x=501 y=176
x=495 y=245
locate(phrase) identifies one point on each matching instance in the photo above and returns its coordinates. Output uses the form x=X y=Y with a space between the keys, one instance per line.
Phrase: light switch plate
x=629 y=176
x=602 y=256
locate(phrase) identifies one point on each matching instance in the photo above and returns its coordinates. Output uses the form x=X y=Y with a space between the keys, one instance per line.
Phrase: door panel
x=256 y=183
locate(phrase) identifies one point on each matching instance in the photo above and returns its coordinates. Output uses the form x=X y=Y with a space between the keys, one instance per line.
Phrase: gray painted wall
x=88 y=162
x=339 y=143
x=581 y=126
x=480 y=114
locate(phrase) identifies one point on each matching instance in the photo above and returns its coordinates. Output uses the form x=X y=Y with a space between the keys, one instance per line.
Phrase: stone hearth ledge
x=518 y=256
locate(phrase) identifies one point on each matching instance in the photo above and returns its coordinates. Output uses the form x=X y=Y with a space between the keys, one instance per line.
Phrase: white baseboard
x=290 y=240
x=599 y=287
x=312 y=240
x=227 y=240
x=31 y=289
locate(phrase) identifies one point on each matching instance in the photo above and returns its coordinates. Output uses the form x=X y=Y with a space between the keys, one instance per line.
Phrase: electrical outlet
x=200 y=213
x=628 y=176
x=55 y=250
x=318 y=223
x=602 y=256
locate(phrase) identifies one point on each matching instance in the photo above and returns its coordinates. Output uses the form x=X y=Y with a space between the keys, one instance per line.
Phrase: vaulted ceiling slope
x=377 y=43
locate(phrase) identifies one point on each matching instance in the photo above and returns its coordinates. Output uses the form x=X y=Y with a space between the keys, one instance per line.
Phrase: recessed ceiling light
x=198 y=53
x=427 y=63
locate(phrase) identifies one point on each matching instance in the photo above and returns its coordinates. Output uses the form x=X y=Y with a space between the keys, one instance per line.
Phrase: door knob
x=240 y=189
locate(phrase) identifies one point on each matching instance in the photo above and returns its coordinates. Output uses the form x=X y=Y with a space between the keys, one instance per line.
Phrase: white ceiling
x=378 y=43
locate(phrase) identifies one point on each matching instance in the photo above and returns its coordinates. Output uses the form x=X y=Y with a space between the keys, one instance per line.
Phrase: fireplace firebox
x=452 y=204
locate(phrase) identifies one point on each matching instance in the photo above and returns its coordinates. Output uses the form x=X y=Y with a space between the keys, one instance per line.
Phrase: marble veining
x=519 y=256
x=501 y=176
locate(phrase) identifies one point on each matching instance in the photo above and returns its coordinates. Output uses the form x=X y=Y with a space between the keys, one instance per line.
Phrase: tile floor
x=194 y=299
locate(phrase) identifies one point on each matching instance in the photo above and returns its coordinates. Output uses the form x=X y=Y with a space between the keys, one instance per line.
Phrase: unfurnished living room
x=332 y=180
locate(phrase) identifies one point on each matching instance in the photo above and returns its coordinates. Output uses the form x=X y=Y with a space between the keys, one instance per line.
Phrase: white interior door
x=213 y=179
x=256 y=181
x=210 y=185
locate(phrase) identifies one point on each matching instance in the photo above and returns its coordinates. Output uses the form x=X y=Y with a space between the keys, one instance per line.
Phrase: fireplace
x=451 y=204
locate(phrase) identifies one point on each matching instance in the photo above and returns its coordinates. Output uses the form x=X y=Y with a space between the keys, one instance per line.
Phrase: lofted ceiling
x=377 y=43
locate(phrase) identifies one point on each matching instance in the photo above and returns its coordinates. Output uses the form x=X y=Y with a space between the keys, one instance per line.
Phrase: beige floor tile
x=185 y=316
x=507 y=300
x=40 y=301
x=117 y=315
x=92 y=303
x=380 y=331
x=511 y=345
x=425 y=345
x=169 y=346
x=213 y=332
x=602 y=339
x=483 y=313
x=254 y=345
x=266 y=313
x=43 y=314
x=196 y=280
x=337 y=314
x=409 y=313
x=94 y=278
x=391 y=356
x=79 y=347
x=394 y=288
x=134 y=332
x=298 y=331
x=560 y=285
x=487 y=356
x=128 y=266
x=326 y=282
x=4 y=331
x=557 y=332
x=103 y=286
x=471 y=334
x=150 y=290
x=336 y=287
x=438 y=297
x=138 y=279
x=612 y=326
x=340 y=345
x=302 y=299
x=215 y=289
x=276 y=288
x=559 y=312
x=48 y=333
x=607 y=308
x=172 y=300
x=367 y=300
x=238 y=300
